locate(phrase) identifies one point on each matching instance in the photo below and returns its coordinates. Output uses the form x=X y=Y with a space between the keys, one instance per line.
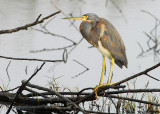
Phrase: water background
x=131 y=23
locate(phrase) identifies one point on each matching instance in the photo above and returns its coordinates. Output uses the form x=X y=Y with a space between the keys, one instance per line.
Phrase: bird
x=103 y=35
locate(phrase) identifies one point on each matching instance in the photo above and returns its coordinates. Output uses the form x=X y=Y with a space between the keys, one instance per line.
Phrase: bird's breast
x=105 y=52
x=90 y=33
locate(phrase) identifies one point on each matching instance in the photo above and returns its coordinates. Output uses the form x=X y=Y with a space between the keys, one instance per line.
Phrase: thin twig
x=50 y=33
x=144 y=92
x=142 y=51
x=72 y=24
x=86 y=69
x=29 y=59
x=135 y=100
x=63 y=14
x=7 y=71
x=152 y=77
x=113 y=102
x=152 y=41
x=12 y=89
x=150 y=14
x=119 y=9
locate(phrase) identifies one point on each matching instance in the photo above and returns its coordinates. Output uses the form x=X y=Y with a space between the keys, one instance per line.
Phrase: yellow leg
x=111 y=70
x=102 y=74
x=103 y=68
x=101 y=80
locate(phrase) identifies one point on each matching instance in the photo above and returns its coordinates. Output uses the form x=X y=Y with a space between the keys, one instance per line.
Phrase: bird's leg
x=103 y=69
x=111 y=70
x=110 y=75
x=101 y=80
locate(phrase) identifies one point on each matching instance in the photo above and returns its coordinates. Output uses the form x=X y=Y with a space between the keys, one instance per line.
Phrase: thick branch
x=57 y=94
x=44 y=108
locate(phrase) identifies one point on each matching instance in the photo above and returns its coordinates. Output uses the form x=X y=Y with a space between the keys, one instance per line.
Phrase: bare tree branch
x=23 y=86
x=153 y=38
x=135 y=100
x=57 y=94
x=86 y=69
x=29 y=59
x=7 y=71
x=138 y=74
x=25 y=27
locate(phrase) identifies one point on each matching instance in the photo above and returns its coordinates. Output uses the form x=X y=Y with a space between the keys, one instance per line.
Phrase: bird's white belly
x=103 y=51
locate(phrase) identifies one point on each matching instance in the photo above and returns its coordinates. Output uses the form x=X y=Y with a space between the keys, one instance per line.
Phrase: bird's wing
x=94 y=36
x=112 y=41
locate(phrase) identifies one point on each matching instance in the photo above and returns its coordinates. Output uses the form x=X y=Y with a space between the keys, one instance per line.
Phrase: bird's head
x=89 y=17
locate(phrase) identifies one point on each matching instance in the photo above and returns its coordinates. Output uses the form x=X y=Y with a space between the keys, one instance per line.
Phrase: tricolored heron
x=103 y=35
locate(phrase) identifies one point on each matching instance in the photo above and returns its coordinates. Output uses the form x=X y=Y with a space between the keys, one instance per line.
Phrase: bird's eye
x=84 y=17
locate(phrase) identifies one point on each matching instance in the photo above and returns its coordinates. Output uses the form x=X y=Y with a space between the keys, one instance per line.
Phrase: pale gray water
x=130 y=25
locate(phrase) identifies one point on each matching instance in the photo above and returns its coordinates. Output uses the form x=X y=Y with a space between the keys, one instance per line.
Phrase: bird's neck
x=85 y=28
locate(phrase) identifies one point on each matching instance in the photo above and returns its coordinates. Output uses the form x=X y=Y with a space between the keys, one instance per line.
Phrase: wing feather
x=113 y=42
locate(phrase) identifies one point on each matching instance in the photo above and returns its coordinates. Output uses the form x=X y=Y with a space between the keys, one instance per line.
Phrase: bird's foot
x=95 y=90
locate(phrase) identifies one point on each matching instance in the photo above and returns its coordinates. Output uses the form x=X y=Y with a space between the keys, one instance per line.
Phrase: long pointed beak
x=77 y=18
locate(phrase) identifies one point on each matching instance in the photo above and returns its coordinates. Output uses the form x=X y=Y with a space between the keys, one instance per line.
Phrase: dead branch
x=134 y=100
x=118 y=8
x=23 y=100
x=44 y=109
x=138 y=74
x=25 y=27
x=7 y=71
x=130 y=91
x=57 y=94
x=46 y=31
x=35 y=92
x=86 y=69
x=153 y=38
x=63 y=14
x=29 y=59
x=19 y=91
x=70 y=99
x=72 y=25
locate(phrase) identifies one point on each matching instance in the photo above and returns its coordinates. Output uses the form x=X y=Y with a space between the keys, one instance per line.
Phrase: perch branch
x=57 y=94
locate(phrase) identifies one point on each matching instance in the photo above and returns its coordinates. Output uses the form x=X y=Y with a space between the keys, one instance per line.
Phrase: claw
x=95 y=90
